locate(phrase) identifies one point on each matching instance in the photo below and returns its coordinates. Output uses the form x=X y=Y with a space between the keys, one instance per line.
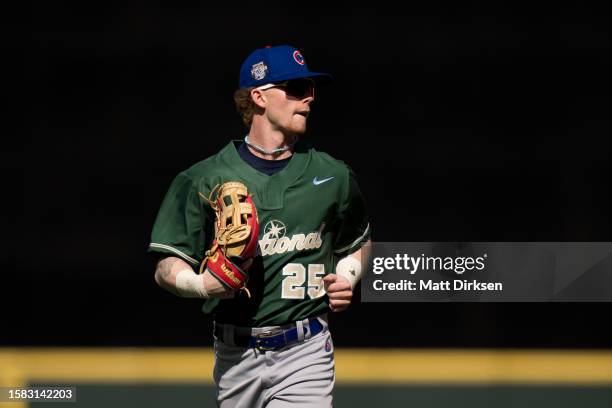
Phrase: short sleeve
x=179 y=228
x=354 y=224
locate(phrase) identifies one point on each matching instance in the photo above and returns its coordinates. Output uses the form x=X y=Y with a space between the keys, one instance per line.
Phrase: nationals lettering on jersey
x=274 y=240
x=312 y=213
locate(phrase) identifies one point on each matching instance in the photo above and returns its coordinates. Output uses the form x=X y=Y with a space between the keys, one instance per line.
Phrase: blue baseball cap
x=275 y=64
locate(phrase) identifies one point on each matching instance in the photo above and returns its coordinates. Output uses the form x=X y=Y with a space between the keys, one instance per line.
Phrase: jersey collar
x=269 y=190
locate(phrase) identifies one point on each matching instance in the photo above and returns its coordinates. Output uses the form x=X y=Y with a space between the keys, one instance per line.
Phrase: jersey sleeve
x=354 y=228
x=179 y=228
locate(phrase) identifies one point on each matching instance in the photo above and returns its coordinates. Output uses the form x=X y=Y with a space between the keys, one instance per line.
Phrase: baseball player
x=271 y=233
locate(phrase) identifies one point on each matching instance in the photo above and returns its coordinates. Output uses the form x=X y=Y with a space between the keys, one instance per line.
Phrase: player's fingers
x=345 y=294
x=339 y=305
x=329 y=279
x=339 y=286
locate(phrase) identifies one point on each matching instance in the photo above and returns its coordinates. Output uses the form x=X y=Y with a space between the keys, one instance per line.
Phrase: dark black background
x=463 y=122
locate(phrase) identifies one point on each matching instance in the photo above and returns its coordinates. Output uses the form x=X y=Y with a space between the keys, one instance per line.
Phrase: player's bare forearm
x=168 y=269
x=164 y=275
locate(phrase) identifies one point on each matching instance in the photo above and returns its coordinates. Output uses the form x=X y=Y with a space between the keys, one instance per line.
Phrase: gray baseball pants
x=299 y=375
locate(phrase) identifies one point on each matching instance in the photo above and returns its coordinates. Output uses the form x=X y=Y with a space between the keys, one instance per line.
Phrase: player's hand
x=339 y=292
x=215 y=289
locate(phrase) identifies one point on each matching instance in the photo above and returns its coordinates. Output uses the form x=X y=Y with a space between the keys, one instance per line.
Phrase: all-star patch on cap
x=275 y=64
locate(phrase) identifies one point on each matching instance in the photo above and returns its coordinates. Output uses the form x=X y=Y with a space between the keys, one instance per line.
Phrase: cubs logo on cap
x=297 y=56
x=275 y=64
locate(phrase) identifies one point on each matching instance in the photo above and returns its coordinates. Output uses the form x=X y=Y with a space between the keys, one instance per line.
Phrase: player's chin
x=298 y=127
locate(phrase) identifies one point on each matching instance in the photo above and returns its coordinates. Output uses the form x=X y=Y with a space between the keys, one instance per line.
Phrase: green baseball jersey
x=311 y=214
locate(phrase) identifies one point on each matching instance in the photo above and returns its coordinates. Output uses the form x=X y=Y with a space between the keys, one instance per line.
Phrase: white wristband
x=190 y=285
x=350 y=268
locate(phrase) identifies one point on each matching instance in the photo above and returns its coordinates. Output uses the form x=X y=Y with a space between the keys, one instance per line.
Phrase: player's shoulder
x=325 y=159
x=330 y=164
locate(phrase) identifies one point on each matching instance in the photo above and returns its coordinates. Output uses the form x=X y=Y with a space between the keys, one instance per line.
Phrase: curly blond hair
x=245 y=105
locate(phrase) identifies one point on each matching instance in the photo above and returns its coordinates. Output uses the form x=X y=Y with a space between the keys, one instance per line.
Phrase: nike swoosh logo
x=317 y=182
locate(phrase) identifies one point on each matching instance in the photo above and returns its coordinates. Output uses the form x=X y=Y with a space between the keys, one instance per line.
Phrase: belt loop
x=323 y=320
x=309 y=332
x=300 y=330
x=228 y=334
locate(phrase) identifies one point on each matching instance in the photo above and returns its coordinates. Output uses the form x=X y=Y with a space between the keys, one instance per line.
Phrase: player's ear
x=259 y=97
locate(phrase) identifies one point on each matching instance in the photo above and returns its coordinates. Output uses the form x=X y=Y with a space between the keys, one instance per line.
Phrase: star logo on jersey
x=275 y=229
x=317 y=182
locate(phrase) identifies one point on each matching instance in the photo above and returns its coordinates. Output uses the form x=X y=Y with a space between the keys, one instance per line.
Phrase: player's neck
x=270 y=140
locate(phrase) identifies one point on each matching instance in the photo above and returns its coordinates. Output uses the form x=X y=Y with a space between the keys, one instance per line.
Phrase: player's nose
x=309 y=99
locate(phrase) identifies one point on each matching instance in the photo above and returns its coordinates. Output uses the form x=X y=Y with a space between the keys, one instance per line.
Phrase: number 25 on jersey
x=295 y=277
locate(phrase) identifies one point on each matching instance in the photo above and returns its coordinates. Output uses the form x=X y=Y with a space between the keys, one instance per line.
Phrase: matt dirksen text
x=430 y=285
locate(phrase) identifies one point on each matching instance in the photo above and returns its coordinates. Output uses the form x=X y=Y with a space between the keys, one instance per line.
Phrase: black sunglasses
x=298 y=88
